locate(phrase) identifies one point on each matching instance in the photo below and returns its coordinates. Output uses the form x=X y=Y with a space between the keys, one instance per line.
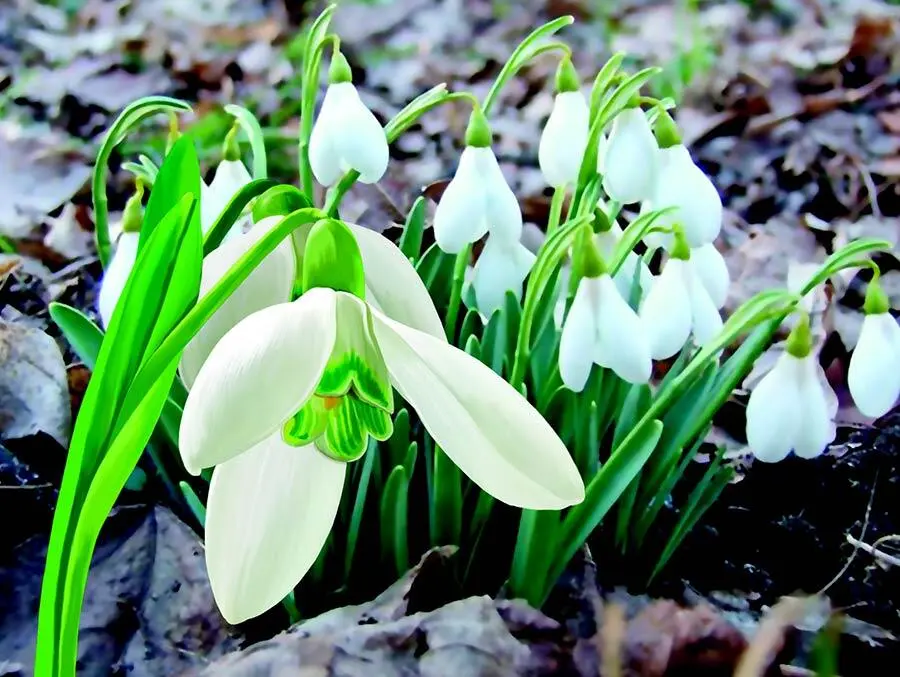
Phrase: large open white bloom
x=476 y=201
x=116 y=274
x=347 y=136
x=503 y=266
x=564 y=139
x=230 y=176
x=630 y=158
x=602 y=329
x=874 y=374
x=296 y=388
x=683 y=185
x=677 y=307
x=792 y=408
x=392 y=285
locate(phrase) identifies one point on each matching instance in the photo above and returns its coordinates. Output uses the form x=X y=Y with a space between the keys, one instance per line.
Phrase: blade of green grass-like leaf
x=446 y=527
x=80 y=331
x=359 y=505
x=411 y=239
x=394 y=545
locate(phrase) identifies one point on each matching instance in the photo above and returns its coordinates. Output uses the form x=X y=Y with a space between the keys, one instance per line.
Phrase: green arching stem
x=556 y=205
x=456 y=285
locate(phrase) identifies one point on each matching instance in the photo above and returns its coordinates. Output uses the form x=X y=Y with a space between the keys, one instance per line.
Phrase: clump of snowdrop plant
x=340 y=402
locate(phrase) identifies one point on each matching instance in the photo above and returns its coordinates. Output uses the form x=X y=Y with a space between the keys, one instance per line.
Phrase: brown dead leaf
x=770 y=636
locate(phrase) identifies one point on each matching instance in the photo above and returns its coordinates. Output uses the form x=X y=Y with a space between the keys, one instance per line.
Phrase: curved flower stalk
x=392 y=285
x=601 y=328
x=565 y=135
x=606 y=241
x=874 y=374
x=628 y=160
x=292 y=394
x=123 y=258
x=792 y=407
x=346 y=134
x=680 y=304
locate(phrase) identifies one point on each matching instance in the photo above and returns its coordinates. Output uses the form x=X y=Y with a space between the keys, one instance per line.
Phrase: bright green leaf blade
x=178 y=176
x=411 y=240
x=233 y=211
x=394 y=545
x=80 y=331
x=250 y=125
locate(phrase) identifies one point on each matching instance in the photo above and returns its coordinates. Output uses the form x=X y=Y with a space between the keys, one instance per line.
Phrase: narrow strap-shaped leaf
x=413 y=231
x=80 y=331
x=446 y=526
x=394 y=545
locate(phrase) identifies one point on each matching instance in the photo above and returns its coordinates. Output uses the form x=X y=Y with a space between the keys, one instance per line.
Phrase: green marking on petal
x=308 y=424
x=350 y=424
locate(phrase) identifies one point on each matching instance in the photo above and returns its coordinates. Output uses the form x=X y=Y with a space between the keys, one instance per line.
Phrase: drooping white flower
x=116 y=274
x=792 y=408
x=230 y=176
x=295 y=390
x=392 y=286
x=564 y=139
x=679 y=306
x=607 y=241
x=874 y=373
x=683 y=185
x=347 y=136
x=477 y=200
x=601 y=328
x=503 y=266
x=630 y=158
x=709 y=265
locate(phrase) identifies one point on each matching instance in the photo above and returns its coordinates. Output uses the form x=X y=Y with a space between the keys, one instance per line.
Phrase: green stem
x=336 y=194
x=556 y=205
x=459 y=276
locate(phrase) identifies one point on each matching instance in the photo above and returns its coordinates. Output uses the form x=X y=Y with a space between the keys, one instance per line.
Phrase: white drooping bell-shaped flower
x=607 y=241
x=503 y=266
x=478 y=199
x=792 y=407
x=874 y=373
x=346 y=134
x=709 y=265
x=679 y=304
x=230 y=176
x=295 y=391
x=123 y=258
x=565 y=135
x=682 y=186
x=629 y=158
x=392 y=286
x=601 y=328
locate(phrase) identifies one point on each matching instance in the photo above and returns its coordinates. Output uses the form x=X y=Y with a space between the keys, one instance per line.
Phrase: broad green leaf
x=178 y=176
x=80 y=331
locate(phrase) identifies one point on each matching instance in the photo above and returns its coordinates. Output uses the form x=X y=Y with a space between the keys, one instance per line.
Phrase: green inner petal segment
x=340 y=427
x=308 y=424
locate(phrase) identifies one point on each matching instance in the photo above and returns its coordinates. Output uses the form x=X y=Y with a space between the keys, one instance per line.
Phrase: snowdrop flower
x=607 y=241
x=683 y=185
x=478 y=199
x=679 y=304
x=565 y=135
x=346 y=134
x=292 y=394
x=123 y=258
x=230 y=176
x=629 y=158
x=601 y=328
x=710 y=267
x=874 y=374
x=503 y=266
x=392 y=286
x=792 y=407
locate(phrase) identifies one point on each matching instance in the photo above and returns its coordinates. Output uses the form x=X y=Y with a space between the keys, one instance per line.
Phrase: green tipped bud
x=174 y=132
x=877 y=301
x=665 y=129
x=478 y=132
x=566 y=76
x=586 y=258
x=133 y=216
x=231 y=149
x=680 y=247
x=332 y=259
x=339 y=71
x=799 y=341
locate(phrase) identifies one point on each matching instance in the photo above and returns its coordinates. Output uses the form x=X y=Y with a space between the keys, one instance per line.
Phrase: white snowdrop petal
x=324 y=158
x=269 y=284
x=773 y=413
x=706 y=323
x=461 y=214
x=483 y=425
x=816 y=428
x=710 y=267
x=116 y=275
x=630 y=159
x=502 y=266
x=256 y=377
x=504 y=216
x=622 y=340
x=625 y=276
x=680 y=183
x=579 y=336
x=269 y=513
x=666 y=311
x=564 y=139
x=361 y=142
x=874 y=373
